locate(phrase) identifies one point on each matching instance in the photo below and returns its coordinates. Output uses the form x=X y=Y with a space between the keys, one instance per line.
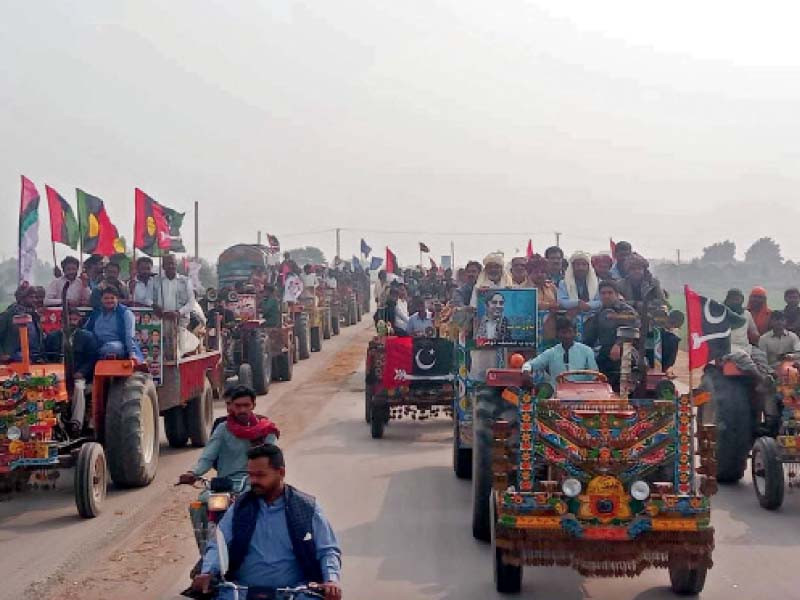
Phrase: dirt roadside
x=147 y=562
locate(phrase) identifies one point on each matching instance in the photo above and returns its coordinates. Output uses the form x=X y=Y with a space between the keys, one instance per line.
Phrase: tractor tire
x=358 y=312
x=199 y=414
x=260 y=363
x=246 y=375
x=462 y=457
x=175 y=427
x=734 y=424
x=336 y=323
x=378 y=419
x=767 y=472
x=687 y=582
x=91 y=480
x=302 y=334
x=507 y=578
x=316 y=339
x=132 y=430
x=326 y=327
x=283 y=367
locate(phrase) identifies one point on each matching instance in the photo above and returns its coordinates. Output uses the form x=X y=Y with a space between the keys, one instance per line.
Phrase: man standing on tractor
x=142 y=287
x=277 y=536
x=174 y=296
x=114 y=326
x=601 y=331
x=778 y=341
x=622 y=250
x=744 y=335
x=227 y=448
x=757 y=305
x=77 y=290
x=25 y=304
x=555 y=264
x=792 y=310
x=271 y=307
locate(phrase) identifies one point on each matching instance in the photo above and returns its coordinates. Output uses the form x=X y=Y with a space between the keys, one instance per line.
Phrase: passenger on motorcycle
x=228 y=446
x=277 y=536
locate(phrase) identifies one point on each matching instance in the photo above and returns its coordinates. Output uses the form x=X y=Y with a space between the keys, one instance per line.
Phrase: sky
x=672 y=125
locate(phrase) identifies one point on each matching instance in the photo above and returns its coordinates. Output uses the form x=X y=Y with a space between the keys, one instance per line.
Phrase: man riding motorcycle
x=228 y=446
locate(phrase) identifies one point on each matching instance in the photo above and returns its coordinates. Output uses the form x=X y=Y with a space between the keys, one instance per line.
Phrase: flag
x=423 y=248
x=529 y=251
x=157 y=229
x=375 y=264
x=391 y=261
x=709 y=324
x=613 y=247
x=434 y=266
x=98 y=234
x=365 y=249
x=357 y=265
x=63 y=224
x=28 y=228
x=411 y=361
x=273 y=243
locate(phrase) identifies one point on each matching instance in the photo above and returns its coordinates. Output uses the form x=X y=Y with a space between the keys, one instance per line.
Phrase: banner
x=63 y=224
x=98 y=234
x=28 y=229
x=709 y=324
x=157 y=229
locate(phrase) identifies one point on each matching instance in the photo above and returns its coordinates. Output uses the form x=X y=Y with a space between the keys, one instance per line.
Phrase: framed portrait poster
x=506 y=317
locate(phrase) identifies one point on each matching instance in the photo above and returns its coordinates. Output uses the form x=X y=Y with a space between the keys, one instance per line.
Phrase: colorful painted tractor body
x=776 y=460
x=407 y=378
x=587 y=479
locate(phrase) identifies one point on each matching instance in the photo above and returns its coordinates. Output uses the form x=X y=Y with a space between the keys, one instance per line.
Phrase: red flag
x=398 y=360
x=63 y=224
x=391 y=261
x=529 y=251
x=613 y=247
x=709 y=325
x=156 y=227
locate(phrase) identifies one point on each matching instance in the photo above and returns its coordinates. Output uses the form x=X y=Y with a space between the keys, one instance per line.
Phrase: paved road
x=403 y=519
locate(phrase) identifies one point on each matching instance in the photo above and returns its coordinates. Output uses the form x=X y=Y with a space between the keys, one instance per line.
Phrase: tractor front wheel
x=199 y=415
x=91 y=480
x=132 y=430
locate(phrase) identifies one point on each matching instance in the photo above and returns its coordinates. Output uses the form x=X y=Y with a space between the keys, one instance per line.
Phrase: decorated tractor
x=51 y=421
x=602 y=483
x=775 y=459
x=318 y=317
x=407 y=378
x=253 y=351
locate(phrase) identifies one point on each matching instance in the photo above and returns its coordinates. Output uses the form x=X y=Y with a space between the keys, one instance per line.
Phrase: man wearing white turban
x=579 y=288
x=493 y=275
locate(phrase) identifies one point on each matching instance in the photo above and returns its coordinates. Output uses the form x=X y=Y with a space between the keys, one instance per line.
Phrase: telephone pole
x=558 y=239
x=259 y=237
x=679 y=255
x=338 y=243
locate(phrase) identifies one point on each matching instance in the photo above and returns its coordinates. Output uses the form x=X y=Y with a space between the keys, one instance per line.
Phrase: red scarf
x=259 y=427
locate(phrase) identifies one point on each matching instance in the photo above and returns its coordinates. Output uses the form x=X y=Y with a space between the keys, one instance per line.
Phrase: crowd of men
x=608 y=291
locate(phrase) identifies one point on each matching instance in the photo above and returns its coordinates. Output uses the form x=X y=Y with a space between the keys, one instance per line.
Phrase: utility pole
x=679 y=255
x=259 y=237
x=338 y=243
x=196 y=231
x=453 y=255
x=558 y=239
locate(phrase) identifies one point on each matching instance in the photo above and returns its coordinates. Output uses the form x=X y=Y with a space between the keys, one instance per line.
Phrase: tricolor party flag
x=63 y=224
x=98 y=234
x=157 y=229
x=28 y=228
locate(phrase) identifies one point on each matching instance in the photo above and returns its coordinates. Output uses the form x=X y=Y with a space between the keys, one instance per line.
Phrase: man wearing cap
x=10 y=348
x=493 y=275
x=746 y=334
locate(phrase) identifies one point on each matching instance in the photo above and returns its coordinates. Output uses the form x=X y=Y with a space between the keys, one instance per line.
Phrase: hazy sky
x=669 y=124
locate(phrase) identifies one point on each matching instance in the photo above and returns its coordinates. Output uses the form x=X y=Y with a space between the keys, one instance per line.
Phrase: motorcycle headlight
x=571 y=487
x=640 y=490
x=219 y=502
x=13 y=433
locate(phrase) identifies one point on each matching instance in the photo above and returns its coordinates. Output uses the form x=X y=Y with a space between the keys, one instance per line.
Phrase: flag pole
x=19 y=233
x=55 y=260
x=196 y=232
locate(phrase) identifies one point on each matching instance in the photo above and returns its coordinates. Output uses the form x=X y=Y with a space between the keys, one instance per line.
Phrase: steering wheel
x=597 y=376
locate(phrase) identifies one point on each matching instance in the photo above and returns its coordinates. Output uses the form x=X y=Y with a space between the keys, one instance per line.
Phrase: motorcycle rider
x=276 y=535
x=228 y=446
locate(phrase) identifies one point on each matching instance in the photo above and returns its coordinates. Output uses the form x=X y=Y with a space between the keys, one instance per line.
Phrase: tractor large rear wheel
x=302 y=334
x=199 y=415
x=316 y=339
x=260 y=362
x=734 y=423
x=336 y=322
x=326 y=325
x=132 y=432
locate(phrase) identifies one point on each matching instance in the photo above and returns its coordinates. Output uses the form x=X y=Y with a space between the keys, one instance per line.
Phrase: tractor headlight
x=13 y=433
x=640 y=490
x=571 y=487
x=219 y=502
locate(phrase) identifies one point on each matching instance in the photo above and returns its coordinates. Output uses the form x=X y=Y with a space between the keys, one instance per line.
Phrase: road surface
x=402 y=517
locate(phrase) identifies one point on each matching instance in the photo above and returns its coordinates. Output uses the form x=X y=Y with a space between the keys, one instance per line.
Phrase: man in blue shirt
x=277 y=536
x=114 y=326
x=420 y=322
x=569 y=355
